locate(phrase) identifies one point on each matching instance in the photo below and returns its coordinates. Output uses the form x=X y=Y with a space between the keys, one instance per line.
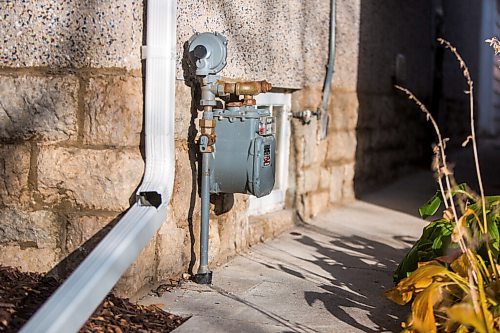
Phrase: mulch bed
x=21 y=294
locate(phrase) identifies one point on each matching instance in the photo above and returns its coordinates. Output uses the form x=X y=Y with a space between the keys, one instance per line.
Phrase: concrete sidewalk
x=326 y=276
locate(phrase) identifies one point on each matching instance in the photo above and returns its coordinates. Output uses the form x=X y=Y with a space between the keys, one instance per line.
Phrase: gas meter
x=236 y=140
x=242 y=152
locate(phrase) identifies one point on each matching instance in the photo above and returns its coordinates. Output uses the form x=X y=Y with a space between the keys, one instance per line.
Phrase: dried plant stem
x=470 y=83
x=441 y=188
x=444 y=170
x=472 y=137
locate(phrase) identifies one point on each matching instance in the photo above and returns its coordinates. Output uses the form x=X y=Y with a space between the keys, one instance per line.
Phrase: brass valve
x=207 y=130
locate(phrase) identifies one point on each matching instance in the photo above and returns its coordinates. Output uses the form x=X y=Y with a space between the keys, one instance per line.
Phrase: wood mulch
x=21 y=294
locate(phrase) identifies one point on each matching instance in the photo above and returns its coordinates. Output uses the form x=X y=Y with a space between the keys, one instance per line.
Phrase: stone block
x=184 y=112
x=341 y=146
x=14 y=174
x=348 y=182
x=268 y=226
x=42 y=108
x=92 y=179
x=81 y=228
x=341 y=182
x=185 y=201
x=309 y=150
x=38 y=229
x=308 y=98
x=343 y=110
x=311 y=177
x=336 y=182
x=319 y=202
x=213 y=240
x=315 y=203
x=113 y=111
x=29 y=259
x=233 y=228
x=71 y=33
x=173 y=250
x=375 y=110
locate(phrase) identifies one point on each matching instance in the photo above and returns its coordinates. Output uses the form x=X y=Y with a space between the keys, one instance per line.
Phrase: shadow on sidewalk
x=353 y=273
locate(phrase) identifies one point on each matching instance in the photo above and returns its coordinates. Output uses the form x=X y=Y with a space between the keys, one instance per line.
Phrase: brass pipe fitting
x=247 y=88
x=207 y=129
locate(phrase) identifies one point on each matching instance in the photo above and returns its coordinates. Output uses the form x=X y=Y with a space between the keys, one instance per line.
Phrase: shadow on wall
x=392 y=135
x=194 y=158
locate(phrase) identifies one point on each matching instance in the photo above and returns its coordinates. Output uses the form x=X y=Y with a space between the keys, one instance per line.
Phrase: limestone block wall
x=71 y=109
x=324 y=169
x=71 y=112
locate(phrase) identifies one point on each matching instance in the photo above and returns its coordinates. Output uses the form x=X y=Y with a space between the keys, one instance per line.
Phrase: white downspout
x=71 y=305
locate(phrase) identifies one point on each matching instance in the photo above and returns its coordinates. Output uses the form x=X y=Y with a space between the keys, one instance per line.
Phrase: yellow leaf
x=461 y=266
x=464 y=313
x=423 y=308
x=462 y=329
x=397 y=296
x=420 y=279
x=424 y=276
x=460 y=229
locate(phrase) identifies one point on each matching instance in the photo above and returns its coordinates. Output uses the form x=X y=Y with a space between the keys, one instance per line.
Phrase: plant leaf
x=464 y=313
x=438 y=242
x=423 y=308
x=420 y=279
x=431 y=207
x=460 y=266
x=493 y=232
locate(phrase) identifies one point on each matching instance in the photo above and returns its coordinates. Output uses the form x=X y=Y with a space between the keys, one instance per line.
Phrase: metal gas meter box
x=244 y=154
x=236 y=140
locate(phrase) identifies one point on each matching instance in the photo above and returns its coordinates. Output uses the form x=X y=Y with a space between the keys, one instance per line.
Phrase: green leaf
x=431 y=207
x=490 y=201
x=493 y=229
x=493 y=232
x=438 y=242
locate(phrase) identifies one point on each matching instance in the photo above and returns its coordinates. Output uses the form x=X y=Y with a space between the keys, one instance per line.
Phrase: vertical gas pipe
x=206 y=142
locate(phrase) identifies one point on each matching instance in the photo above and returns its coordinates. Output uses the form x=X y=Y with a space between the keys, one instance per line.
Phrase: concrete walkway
x=326 y=276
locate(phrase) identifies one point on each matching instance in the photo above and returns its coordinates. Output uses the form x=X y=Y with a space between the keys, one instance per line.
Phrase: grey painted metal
x=324 y=117
x=210 y=52
x=70 y=306
x=205 y=202
x=205 y=212
x=244 y=160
